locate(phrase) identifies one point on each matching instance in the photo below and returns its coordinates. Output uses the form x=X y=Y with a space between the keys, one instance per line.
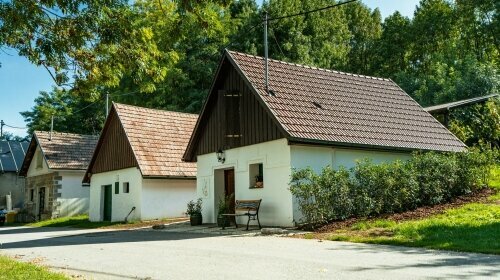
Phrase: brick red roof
x=62 y=151
x=158 y=139
x=341 y=108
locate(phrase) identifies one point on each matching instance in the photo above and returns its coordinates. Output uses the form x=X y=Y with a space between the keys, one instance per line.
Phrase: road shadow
x=433 y=259
x=26 y=229
x=103 y=237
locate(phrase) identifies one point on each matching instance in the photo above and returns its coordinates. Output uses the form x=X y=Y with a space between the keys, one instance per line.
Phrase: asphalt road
x=132 y=254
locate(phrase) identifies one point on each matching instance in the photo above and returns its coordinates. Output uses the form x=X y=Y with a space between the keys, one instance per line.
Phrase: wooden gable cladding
x=114 y=151
x=234 y=117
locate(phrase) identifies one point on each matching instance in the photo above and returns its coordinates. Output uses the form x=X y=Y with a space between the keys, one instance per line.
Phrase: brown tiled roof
x=62 y=151
x=334 y=107
x=158 y=139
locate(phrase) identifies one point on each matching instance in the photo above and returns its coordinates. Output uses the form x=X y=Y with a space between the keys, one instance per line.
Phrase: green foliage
x=473 y=228
x=16 y=270
x=72 y=113
x=166 y=52
x=371 y=189
x=479 y=124
x=194 y=208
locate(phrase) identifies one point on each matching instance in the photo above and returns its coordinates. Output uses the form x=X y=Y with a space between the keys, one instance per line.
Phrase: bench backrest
x=247 y=205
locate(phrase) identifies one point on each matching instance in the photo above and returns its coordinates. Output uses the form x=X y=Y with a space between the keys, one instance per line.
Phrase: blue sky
x=20 y=81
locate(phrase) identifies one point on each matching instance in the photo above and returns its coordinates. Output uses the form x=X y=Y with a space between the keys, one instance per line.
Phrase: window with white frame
x=256 y=172
x=126 y=187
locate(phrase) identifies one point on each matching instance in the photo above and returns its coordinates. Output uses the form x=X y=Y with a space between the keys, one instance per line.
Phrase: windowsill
x=255 y=187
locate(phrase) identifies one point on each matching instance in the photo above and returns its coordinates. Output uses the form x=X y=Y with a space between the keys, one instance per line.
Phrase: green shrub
x=371 y=189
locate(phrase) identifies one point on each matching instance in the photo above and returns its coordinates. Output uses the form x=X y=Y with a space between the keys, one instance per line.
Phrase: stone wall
x=52 y=184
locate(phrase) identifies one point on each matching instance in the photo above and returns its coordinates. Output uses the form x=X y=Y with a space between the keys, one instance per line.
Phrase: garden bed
x=480 y=196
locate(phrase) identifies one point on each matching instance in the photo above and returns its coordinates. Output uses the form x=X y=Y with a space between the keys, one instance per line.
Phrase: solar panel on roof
x=18 y=153
x=6 y=157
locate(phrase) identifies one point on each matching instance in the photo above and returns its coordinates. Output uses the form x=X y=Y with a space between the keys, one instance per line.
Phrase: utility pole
x=107 y=104
x=51 y=127
x=1 y=128
x=266 y=54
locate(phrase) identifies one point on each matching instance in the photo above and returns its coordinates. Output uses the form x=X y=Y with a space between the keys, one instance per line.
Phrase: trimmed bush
x=371 y=189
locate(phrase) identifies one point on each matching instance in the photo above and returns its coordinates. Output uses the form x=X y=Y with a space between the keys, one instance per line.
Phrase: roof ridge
x=312 y=67
x=64 y=133
x=154 y=109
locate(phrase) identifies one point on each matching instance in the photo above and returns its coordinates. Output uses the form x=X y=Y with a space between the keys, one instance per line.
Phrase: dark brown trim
x=313 y=142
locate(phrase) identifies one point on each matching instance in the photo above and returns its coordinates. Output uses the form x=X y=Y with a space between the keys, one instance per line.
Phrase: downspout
x=132 y=210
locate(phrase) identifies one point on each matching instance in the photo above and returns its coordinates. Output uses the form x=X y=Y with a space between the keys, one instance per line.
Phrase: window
x=126 y=188
x=117 y=188
x=39 y=160
x=256 y=172
x=32 y=195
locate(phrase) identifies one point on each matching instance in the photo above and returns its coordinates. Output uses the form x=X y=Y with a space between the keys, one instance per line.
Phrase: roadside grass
x=474 y=227
x=82 y=221
x=13 y=270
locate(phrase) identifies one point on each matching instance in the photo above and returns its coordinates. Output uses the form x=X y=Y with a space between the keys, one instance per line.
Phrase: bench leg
x=258 y=221
x=235 y=223
x=248 y=222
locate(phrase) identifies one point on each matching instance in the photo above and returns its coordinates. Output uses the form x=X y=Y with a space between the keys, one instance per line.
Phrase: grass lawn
x=82 y=221
x=474 y=227
x=12 y=270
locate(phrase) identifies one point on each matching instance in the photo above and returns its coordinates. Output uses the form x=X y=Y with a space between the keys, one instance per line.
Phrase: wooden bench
x=252 y=211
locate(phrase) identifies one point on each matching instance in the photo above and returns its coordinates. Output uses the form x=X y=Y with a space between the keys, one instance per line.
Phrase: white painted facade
x=279 y=159
x=74 y=197
x=152 y=198
x=71 y=198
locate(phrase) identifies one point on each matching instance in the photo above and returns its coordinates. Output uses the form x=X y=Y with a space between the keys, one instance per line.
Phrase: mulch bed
x=419 y=213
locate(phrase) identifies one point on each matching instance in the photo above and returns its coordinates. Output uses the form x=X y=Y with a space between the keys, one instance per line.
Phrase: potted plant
x=223 y=221
x=194 y=212
x=259 y=181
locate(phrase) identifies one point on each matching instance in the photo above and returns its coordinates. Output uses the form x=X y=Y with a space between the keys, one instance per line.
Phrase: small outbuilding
x=136 y=172
x=11 y=185
x=54 y=167
x=250 y=136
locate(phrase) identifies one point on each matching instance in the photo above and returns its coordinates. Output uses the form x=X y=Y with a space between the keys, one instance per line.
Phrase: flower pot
x=223 y=221
x=196 y=219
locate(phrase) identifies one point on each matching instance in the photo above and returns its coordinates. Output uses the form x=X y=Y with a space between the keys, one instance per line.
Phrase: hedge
x=370 y=189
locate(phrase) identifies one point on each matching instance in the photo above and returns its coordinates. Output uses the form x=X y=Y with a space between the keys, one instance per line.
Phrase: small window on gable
x=117 y=188
x=126 y=188
x=256 y=172
x=39 y=160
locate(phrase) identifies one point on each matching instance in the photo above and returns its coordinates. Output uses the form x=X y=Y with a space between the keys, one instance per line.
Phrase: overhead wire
x=312 y=11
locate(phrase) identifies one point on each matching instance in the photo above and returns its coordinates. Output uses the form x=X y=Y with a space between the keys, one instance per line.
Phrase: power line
x=312 y=11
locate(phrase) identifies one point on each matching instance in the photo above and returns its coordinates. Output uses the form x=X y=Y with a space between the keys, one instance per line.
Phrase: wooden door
x=107 y=203
x=41 y=202
x=229 y=187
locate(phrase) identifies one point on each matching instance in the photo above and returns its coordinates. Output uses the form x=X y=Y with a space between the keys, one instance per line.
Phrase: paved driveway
x=132 y=254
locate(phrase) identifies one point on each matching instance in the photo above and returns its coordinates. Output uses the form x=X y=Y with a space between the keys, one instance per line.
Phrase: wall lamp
x=221 y=156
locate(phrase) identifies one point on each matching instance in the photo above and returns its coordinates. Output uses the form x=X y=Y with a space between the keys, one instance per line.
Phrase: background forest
x=163 y=54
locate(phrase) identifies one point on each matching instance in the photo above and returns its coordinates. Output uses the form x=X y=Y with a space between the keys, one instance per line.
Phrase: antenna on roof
x=107 y=104
x=266 y=54
x=1 y=128
x=51 y=127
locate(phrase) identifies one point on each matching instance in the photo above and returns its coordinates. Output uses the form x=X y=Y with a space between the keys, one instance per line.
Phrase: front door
x=106 y=216
x=41 y=202
x=229 y=187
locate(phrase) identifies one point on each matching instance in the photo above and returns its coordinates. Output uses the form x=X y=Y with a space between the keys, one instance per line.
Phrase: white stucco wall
x=276 y=207
x=319 y=157
x=74 y=197
x=33 y=170
x=166 y=198
x=121 y=203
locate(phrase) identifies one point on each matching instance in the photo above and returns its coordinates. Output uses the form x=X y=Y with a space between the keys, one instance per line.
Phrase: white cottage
x=136 y=172
x=248 y=139
x=54 y=167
